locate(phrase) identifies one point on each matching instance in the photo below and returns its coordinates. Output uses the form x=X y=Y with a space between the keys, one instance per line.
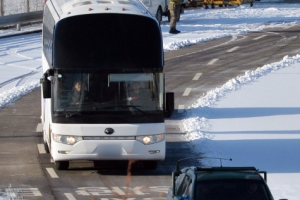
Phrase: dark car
x=219 y=183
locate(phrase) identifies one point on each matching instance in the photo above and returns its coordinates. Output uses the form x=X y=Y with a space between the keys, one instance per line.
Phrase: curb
x=19 y=33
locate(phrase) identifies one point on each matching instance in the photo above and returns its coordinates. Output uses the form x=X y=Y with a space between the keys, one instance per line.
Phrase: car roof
x=217 y=173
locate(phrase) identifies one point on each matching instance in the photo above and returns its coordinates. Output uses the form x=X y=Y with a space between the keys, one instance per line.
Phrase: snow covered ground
x=252 y=119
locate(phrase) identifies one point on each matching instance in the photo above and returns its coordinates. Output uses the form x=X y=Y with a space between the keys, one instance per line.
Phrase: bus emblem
x=109 y=131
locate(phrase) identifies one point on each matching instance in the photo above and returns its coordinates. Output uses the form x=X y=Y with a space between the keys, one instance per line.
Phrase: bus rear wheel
x=62 y=165
x=150 y=165
x=158 y=15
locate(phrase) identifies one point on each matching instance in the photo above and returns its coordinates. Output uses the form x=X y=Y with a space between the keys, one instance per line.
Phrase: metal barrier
x=22 y=18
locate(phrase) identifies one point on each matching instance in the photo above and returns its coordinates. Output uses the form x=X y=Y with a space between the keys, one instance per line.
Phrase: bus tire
x=158 y=15
x=62 y=165
x=46 y=147
x=178 y=19
x=150 y=164
x=182 y=9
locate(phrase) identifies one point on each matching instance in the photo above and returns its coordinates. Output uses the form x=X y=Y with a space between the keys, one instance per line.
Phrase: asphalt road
x=26 y=171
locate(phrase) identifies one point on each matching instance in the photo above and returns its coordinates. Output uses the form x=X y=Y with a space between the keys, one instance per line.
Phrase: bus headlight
x=66 y=139
x=150 y=139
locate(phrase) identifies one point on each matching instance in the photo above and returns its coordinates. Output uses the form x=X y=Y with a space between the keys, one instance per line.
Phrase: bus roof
x=67 y=8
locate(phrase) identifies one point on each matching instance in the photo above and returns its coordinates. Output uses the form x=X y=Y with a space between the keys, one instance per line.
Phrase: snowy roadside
x=12 y=31
x=253 y=119
x=19 y=62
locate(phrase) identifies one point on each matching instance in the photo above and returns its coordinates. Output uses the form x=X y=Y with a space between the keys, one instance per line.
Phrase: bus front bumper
x=108 y=150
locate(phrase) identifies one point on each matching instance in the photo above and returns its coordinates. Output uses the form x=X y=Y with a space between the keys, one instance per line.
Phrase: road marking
x=19 y=193
x=259 y=37
x=197 y=76
x=39 y=127
x=187 y=92
x=70 y=196
x=52 y=173
x=232 y=49
x=252 y=136
x=180 y=109
x=233 y=39
x=41 y=148
x=213 y=61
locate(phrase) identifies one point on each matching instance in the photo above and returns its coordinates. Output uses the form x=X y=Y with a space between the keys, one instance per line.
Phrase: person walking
x=174 y=8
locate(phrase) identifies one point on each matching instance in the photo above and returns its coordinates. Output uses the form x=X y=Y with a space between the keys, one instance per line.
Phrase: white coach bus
x=103 y=86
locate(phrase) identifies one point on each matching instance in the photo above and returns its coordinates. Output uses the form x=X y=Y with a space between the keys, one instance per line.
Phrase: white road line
x=187 y=92
x=256 y=136
x=197 y=76
x=41 y=148
x=52 y=173
x=259 y=37
x=39 y=127
x=232 y=49
x=213 y=61
x=233 y=39
x=180 y=109
x=70 y=196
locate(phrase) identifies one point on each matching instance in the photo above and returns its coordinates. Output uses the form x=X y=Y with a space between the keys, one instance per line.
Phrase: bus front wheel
x=62 y=165
x=47 y=150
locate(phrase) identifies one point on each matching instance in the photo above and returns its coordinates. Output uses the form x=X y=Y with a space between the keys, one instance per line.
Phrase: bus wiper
x=69 y=115
x=136 y=108
x=131 y=106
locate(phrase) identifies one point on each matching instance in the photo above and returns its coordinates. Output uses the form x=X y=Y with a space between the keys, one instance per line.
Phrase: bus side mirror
x=46 y=85
x=169 y=104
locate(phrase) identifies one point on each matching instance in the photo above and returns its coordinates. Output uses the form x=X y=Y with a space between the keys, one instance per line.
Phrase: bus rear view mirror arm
x=46 y=85
x=169 y=104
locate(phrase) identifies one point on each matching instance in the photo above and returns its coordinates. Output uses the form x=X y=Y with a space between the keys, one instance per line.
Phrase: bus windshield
x=106 y=93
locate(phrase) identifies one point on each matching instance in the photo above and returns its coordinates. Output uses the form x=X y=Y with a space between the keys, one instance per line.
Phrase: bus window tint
x=100 y=41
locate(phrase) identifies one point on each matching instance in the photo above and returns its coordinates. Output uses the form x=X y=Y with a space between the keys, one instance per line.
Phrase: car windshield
x=231 y=190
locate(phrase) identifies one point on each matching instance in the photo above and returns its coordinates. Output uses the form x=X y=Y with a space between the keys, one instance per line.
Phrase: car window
x=231 y=189
x=183 y=185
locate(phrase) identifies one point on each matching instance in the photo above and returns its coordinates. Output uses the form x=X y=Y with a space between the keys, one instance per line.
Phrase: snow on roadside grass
x=196 y=127
x=235 y=83
x=17 y=92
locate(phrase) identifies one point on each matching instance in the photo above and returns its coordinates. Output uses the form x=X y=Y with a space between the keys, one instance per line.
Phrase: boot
x=177 y=30
x=173 y=31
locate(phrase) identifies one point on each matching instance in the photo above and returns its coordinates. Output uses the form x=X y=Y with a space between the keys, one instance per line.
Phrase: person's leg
x=172 y=19
x=177 y=15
